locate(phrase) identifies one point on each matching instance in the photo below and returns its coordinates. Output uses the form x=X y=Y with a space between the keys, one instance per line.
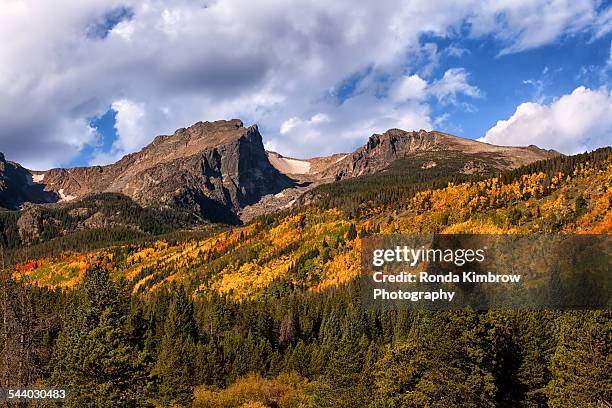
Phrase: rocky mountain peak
x=17 y=186
x=217 y=170
x=384 y=148
x=196 y=138
x=211 y=169
x=394 y=140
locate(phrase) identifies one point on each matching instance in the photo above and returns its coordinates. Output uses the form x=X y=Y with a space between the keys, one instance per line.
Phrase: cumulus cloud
x=352 y=123
x=410 y=87
x=290 y=124
x=453 y=83
x=579 y=121
x=131 y=133
x=165 y=64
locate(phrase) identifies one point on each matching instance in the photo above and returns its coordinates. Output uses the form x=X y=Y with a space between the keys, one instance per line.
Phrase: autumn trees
x=269 y=314
x=93 y=357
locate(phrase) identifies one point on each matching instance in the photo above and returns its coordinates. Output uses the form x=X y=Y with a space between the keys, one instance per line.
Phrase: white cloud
x=454 y=82
x=410 y=87
x=289 y=125
x=320 y=118
x=353 y=122
x=603 y=22
x=129 y=120
x=132 y=136
x=455 y=51
x=266 y=61
x=525 y=24
x=579 y=121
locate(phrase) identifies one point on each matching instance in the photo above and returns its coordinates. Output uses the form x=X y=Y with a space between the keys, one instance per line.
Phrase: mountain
x=219 y=171
x=17 y=186
x=211 y=168
x=388 y=164
x=280 y=297
x=313 y=248
x=383 y=149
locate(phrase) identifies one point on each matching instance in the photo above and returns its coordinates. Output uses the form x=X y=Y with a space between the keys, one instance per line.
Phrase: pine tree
x=352 y=232
x=537 y=333
x=177 y=351
x=582 y=362
x=92 y=357
x=437 y=366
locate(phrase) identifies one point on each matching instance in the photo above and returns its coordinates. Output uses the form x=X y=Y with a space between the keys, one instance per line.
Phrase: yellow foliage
x=476 y=226
x=244 y=261
x=286 y=390
x=251 y=277
x=342 y=268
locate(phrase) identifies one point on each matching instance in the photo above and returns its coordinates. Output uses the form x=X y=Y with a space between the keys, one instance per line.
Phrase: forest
x=269 y=314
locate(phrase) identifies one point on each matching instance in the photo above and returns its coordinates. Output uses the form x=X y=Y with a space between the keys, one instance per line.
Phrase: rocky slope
x=17 y=186
x=383 y=149
x=219 y=171
x=452 y=154
x=211 y=168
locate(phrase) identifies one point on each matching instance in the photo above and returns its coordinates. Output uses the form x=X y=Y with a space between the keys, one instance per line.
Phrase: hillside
x=210 y=170
x=383 y=149
x=106 y=216
x=268 y=315
x=220 y=172
x=316 y=248
x=18 y=186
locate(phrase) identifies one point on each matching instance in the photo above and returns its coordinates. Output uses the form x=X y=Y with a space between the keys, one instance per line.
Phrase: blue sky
x=103 y=78
x=540 y=74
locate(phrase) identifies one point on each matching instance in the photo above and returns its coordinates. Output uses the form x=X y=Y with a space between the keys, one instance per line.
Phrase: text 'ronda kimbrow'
x=481 y=271
x=422 y=255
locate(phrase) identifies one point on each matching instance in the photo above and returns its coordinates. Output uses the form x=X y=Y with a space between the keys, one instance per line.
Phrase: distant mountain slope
x=318 y=248
x=219 y=171
x=17 y=186
x=209 y=169
x=383 y=149
x=388 y=163
x=397 y=182
x=105 y=213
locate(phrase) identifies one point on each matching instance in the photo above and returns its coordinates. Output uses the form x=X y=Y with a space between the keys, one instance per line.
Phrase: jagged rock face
x=17 y=186
x=380 y=150
x=383 y=149
x=211 y=168
x=220 y=171
x=29 y=224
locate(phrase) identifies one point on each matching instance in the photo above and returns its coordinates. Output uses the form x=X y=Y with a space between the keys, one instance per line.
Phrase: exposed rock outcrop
x=211 y=168
x=383 y=149
x=17 y=187
x=220 y=171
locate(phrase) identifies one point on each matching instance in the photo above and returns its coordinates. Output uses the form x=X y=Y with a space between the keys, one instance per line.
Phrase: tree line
x=111 y=348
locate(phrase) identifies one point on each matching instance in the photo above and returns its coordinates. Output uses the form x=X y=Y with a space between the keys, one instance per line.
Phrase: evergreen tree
x=437 y=366
x=92 y=357
x=582 y=362
x=352 y=232
x=537 y=336
x=177 y=351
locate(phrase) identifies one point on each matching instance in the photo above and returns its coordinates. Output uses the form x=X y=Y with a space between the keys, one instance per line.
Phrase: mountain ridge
x=397 y=143
x=220 y=171
x=213 y=168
